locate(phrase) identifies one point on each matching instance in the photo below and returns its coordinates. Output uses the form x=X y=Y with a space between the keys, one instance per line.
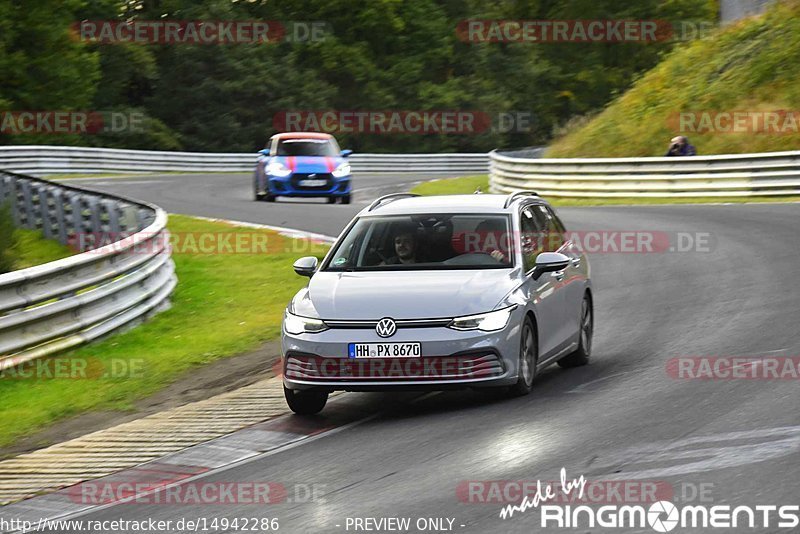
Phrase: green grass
x=33 y=249
x=453 y=186
x=224 y=304
x=468 y=185
x=752 y=65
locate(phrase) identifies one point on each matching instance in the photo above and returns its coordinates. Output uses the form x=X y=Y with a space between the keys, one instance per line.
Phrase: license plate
x=384 y=350
x=313 y=183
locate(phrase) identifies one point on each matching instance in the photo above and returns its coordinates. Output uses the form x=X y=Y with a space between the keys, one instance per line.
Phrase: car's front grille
x=457 y=367
x=297 y=180
x=401 y=323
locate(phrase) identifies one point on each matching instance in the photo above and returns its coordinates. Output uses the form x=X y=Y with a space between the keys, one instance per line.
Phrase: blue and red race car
x=302 y=165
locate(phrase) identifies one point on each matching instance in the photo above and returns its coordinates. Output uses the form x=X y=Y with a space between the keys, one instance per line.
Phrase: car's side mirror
x=264 y=152
x=549 y=262
x=346 y=153
x=306 y=266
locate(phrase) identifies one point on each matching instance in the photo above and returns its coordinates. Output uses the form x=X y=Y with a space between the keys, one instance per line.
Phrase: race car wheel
x=346 y=199
x=256 y=195
x=331 y=200
x=305 y=402
x=584 y=350
x=528 y=358
x=269 y=198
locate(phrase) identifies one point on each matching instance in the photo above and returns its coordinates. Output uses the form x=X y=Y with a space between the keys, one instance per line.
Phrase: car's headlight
x=295 y=324
x=277 y=168
x=488 y=322
x=342 y=170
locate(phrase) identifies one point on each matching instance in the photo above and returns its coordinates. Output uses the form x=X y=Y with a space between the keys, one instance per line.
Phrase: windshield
x=430 y=241
x=307 y=147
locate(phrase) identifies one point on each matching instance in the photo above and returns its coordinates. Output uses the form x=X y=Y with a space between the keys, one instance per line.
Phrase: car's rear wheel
x=584 y=350
x=346 y=199
x=528 y=356
x=331 y=200
x=269 y=198
x=305 y=402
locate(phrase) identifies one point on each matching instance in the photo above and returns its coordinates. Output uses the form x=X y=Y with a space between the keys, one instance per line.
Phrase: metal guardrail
x=741 y=175
x=68 y=302
x=44 y=160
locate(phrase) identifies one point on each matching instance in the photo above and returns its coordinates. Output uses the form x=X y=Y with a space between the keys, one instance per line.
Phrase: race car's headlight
x=488 y=322
x=295 y=324
x=342 y=170
x=277 y=168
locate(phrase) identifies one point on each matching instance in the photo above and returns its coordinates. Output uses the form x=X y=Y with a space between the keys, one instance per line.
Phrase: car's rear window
x=430 y=241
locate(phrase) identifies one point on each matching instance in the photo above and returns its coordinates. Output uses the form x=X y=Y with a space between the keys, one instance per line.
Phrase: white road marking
x=773 y=443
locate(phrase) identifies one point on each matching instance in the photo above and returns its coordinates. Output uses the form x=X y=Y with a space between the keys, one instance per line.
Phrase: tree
x=43 y=66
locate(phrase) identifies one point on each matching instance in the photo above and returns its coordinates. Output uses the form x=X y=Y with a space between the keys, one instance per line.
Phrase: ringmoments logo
x=661 y=516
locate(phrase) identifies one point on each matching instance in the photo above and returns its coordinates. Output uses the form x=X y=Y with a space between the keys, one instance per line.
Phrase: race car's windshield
x=307 y=147
x=430 y=241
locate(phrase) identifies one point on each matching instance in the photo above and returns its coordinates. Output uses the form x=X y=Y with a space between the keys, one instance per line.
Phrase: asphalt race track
x=230 y=196
x=621 y=418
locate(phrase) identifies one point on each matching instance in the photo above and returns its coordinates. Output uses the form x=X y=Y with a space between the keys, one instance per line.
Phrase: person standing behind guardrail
x=679 y=146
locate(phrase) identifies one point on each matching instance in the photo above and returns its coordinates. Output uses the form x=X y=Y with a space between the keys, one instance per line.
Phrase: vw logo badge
x=386 y=327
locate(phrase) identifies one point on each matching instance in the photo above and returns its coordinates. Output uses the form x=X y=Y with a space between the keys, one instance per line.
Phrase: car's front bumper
x=449 y=358
x=289 y=187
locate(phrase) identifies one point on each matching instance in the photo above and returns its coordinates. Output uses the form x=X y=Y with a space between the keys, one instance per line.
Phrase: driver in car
x=492 y=235
x=405 y=247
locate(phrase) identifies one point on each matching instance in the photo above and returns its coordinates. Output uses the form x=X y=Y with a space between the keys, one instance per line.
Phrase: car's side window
x=530 y=232
x=558 y=222
x=553 y=229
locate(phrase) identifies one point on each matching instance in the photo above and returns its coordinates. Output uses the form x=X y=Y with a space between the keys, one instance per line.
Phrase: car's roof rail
x=510 y=198
x=388 y=198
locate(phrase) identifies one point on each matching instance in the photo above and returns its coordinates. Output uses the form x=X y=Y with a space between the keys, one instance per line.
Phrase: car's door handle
x=576 y=262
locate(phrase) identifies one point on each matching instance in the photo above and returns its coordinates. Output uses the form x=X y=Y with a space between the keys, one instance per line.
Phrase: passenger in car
x=405 y=247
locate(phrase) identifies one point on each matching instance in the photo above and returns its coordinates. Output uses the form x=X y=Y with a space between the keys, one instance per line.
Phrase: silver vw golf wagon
x=438 y=292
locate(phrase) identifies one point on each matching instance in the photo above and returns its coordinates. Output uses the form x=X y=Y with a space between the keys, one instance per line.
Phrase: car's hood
x=310 y=164
x=408 y=295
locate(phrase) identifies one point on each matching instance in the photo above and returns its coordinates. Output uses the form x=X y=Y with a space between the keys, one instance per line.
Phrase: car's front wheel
x=584 y=350
x=528 y=356
x=305 y=402
x=256 y=195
